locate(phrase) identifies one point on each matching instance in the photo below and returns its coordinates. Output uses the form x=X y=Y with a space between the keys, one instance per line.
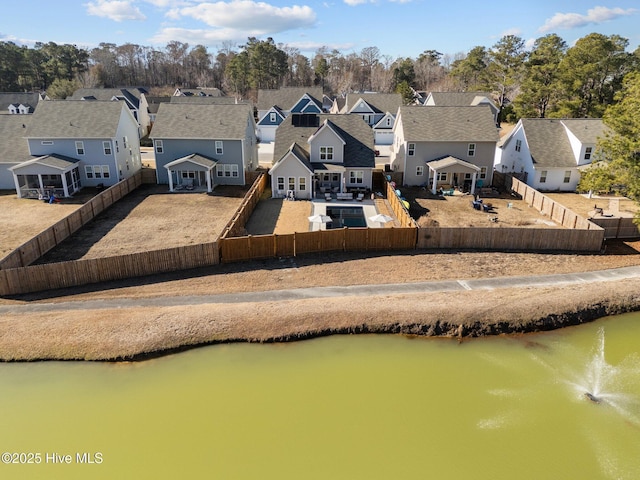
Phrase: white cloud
x=353 y=3
x=249 y=16
x=575 y=20
x=512 y=31
x=115 y=10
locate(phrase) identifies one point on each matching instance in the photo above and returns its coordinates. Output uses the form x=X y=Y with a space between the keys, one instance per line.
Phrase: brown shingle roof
x=201 y=121
x=448 y=124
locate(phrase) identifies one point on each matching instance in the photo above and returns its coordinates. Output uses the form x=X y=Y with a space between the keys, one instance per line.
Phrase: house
x=378 y=110
x=77 y=143
x=274 y=105
x=322 y=153
x=460 y=99
x=199 y=146
x=453 y=145
x=19 y=103
x=198 y=92
x=550 y=152
x=153 y=105
x=133 y=97
x=14 y=148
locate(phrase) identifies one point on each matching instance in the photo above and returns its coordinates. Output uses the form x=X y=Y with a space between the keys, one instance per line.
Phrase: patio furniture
x=360 y=197
x=327 y=197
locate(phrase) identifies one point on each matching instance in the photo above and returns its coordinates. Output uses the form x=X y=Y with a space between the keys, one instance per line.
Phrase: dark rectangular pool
x=346 y=217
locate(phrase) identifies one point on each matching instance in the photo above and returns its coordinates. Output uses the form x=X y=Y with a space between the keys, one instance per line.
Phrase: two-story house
x=276 y=105
x=134 y=98
x=76 y=143
x=435 y=146
x=199 y=146
x=378 y=110
x=550 y=152
x=19 y=103
x=322 y=153
x=460 y=99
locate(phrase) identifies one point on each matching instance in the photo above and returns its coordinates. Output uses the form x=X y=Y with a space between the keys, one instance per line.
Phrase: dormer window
x=587 y=153
x=326 y=154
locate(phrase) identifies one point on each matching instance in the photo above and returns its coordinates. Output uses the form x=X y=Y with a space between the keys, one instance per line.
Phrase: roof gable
x=378 y=102
x=286 y=97
x=297 y=153
x=327 y=126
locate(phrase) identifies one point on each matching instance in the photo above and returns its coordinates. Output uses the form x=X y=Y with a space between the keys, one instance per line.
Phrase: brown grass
x=584 y=206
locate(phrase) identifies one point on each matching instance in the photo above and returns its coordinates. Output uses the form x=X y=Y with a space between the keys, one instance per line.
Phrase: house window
x=80 y=148
x=567 y=176
x=188 y=175
x=471 y=151
x=420 y=170
x=219 y=150
x=292 y=183
x=302 y=184
x=280 y=184
x=543 y=176
x=227 y=170
x=483 y=172
x=106 y=146
x=442 y=176
x=124 y=141
x=356 y=177
x=326 y=153
x=272 y=117
x=159 y=146
x=587 y=153
x=411 y=149
x=97 y=171
x=518 y=145
x=388 y=122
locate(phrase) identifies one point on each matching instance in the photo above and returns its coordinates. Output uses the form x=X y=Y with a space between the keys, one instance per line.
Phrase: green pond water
x=343 y=407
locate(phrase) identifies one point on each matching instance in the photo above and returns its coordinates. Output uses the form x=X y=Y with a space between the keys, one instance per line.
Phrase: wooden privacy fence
x=618 y=227
x=246 y=208
x=30 y=251
x=234 y=249
x=505 y=239
x=83 y=272
x=398 y=208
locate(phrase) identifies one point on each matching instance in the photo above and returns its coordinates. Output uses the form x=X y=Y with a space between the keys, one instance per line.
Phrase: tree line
x=549 y=80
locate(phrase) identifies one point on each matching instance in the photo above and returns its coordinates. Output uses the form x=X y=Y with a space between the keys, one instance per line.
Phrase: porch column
x=209 y=189
x=170 y=181
x=434 y=189
x=65 y=187
x=15 y=180
x=473 y=183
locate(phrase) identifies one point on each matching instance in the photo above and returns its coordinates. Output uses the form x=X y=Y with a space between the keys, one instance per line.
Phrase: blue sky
x=397 y=27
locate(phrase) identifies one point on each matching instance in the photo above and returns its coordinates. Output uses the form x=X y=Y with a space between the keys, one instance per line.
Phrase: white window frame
x=46 y=142
x=483 y=172
x=442 y=176
x=543 y=176
x=280 y=184
x=302 y=184
x=80 y=147
x=159 y=146
x=518 y=145
x=106 y=147
x=219 y=147
x=88 y=171
x=588 y=151
x=227 y=170
x=272 y=117
x=356 y=177
x=411 y=149
x=291 y=183
x=420 y=170
x=471 y=150
x=567 y=176
x=326 y=154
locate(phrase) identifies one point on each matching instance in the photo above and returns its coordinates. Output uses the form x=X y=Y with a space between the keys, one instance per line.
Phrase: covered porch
x=453 y=172
x=191 y=173
x=328 y=178
x=45 y=176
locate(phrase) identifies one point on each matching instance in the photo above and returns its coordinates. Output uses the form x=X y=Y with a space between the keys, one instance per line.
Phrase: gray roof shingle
x=286 y=97
x=458 y=99
x=75 y=119
x=549 y=144
x=184 y=120
x=380 y=102
x=359 y=148
x=448 y=124
x=11 y=98
x=13 y=146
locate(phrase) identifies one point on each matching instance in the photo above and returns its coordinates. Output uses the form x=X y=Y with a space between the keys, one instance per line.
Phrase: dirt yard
x=585 y=206
x=22 y=218
x=456 y=211
x=151 y=218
